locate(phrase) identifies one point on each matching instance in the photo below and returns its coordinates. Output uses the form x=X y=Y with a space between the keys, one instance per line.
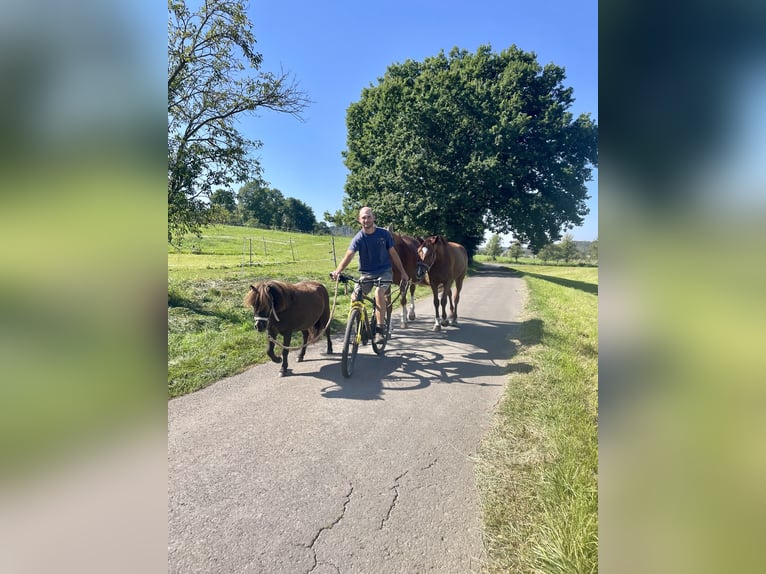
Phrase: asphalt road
x=317 y=473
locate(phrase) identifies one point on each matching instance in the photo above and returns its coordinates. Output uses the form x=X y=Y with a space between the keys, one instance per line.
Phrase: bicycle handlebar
x=343 y=278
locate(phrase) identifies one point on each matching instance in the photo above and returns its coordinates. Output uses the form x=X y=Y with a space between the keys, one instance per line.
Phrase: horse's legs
x=411 y=316
x=437 y=323
x=445 y=296
x=305 y=344
x=403 y=322
x=458 y=288
x=285 y=351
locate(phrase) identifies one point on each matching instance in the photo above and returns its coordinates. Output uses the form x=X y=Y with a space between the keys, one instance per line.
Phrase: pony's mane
x=259 y=295
x=253 y=297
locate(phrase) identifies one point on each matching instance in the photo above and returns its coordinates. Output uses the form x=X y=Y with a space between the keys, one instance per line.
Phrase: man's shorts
x=367 y=283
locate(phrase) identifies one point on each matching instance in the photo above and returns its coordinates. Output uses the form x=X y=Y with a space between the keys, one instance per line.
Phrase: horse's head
x=427 y=255
x=263 y=298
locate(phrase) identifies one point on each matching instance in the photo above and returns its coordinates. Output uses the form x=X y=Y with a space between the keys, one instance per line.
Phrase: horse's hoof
x=276 y=359
x=300 y=359
x=437 y=327
x=411 y=316
x=284 y=373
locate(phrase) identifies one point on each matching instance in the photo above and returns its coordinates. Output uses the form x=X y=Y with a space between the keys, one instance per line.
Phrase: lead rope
x=311 y=340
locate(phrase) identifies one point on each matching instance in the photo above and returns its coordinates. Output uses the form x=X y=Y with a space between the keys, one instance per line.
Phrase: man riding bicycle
x=375 y=246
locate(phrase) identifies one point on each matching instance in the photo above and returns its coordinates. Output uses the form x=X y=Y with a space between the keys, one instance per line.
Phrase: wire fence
x=253 y=249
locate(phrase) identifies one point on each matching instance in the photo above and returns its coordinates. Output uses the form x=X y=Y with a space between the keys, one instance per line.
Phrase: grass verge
x=537 y=468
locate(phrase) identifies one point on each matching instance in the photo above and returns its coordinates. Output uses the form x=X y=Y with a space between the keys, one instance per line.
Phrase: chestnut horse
x=407 y=249
x=282 y=308
x=441 y=263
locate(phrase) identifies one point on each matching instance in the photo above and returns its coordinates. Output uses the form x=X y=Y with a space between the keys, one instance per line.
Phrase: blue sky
x=335 y=49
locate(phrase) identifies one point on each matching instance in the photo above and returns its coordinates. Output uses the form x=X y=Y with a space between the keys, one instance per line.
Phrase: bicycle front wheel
x=378 y=347
x=350 y=343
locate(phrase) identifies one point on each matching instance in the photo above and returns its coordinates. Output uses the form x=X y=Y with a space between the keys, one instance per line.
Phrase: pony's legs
x=305 y=344
x=329 y=341
x=270 y=350
x=285 y=351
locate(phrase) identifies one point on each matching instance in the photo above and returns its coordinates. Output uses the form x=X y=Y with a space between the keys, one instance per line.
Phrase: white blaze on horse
x=281 y=308
x=442 y=264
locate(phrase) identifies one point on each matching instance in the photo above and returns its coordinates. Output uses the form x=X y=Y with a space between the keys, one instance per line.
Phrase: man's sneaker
x=380 y=336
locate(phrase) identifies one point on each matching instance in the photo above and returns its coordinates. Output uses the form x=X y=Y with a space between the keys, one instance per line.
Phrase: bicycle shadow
x=418 y=357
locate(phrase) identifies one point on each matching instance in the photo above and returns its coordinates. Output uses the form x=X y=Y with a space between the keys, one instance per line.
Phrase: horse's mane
x=260 y=293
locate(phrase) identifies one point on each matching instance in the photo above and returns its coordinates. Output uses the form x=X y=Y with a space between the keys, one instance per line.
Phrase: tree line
x=258 y=205
x=566 y=250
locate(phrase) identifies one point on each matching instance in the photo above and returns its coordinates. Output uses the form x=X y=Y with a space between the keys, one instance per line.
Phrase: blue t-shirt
x=373 y=251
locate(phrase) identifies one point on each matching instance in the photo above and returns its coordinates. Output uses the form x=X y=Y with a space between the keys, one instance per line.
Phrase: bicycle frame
x=366 y=324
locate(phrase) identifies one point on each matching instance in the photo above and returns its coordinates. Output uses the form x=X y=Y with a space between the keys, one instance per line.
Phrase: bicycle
x=361 y=325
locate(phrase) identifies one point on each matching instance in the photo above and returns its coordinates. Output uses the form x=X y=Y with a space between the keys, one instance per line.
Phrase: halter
x=421 y=263
x=273 y=311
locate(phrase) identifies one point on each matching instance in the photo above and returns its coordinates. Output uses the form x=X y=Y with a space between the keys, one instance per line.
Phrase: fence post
x=250 y=239
x=334 y=257
x=291 y=249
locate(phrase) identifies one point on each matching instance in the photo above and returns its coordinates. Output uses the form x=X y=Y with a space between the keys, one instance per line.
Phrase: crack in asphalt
x=395 y=488
x=330 y=527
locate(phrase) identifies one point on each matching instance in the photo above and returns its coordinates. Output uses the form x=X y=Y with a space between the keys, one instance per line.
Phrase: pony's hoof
x=300 y=359
x=437 y=327
x=411 y=316
x=284 y=373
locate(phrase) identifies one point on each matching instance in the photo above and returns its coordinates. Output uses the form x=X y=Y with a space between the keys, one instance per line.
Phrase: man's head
x=367 y=219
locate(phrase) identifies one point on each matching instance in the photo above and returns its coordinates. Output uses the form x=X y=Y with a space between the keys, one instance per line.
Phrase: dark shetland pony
x=281 y=308
x=407 y=249
x=441 y=264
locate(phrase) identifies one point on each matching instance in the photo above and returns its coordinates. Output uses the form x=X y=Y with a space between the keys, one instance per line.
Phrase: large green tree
x=461 y=143
x=298 y=215
x=260 y=205
x=214 y=76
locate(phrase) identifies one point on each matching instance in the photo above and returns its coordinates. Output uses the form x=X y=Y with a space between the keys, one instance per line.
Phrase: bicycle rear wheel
x=350 y=343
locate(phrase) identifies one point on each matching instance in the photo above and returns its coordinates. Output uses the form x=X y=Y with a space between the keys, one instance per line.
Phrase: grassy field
x=537 y=468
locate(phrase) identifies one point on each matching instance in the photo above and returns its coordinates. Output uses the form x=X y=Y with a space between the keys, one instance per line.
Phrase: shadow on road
x=417 y=357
